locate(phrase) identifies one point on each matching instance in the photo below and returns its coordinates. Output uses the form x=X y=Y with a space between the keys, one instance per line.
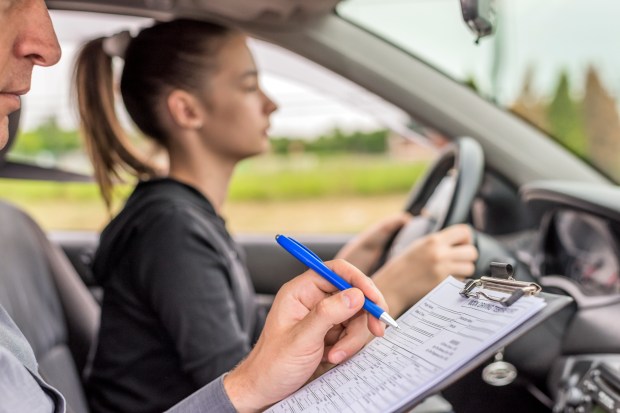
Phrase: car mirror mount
x=479 y=15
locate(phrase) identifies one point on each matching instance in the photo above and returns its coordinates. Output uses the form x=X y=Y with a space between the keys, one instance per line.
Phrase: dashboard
x=579 y=235
x=576 y=251
x=583 y=247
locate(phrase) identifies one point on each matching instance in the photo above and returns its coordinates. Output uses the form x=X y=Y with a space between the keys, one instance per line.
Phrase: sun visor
x=267 y=11
x=284 y=12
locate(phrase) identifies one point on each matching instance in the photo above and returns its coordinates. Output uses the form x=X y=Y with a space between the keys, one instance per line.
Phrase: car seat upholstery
x=47 y=300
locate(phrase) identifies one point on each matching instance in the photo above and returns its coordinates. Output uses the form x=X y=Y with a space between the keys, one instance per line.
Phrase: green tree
x=356 y=142
x=529 y=105
x=470 y=82
x=47 y=137
x=337 y=142
x=602 y=125
x=565 y=118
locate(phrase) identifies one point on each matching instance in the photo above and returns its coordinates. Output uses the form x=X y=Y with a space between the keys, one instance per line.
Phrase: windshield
x=554 y=63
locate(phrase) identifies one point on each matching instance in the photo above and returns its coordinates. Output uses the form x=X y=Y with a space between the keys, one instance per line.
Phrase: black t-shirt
x=171 y=317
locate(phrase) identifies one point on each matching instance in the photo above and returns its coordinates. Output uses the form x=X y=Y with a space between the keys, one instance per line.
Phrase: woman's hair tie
x=116 y=45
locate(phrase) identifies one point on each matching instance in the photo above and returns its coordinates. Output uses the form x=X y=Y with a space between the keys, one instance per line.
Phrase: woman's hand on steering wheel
x=426 y=262
x=414 y=254
x=444 y=196
x=364 y=250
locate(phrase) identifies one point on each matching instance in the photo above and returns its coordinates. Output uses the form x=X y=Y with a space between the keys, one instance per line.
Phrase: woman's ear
x=185 y=110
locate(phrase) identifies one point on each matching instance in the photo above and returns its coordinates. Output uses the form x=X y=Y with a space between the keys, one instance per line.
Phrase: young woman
x=178 y=308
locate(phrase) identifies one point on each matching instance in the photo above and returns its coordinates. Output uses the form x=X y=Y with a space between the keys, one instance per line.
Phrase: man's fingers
x=358 y=280
x=315 y=302
x=333 y=335
x=309 y=297
x=354 y=338
x=329 y=312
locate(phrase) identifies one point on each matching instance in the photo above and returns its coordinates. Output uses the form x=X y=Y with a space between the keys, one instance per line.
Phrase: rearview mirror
x=479 y=16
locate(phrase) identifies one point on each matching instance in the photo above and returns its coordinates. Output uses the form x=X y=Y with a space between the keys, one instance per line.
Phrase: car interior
x=49 y=302
x=531 y=202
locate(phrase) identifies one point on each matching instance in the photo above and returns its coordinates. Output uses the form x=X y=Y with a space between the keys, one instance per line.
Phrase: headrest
x=13 y=124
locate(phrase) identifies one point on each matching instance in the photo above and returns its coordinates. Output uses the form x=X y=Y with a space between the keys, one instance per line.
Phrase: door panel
x=80 y=246
x=269 y=265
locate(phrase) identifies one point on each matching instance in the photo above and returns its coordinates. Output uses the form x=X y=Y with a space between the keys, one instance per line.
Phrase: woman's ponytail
x=107 y=143
x=180 y=54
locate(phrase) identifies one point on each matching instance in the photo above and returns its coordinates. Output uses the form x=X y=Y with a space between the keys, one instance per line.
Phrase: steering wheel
x=444 y=196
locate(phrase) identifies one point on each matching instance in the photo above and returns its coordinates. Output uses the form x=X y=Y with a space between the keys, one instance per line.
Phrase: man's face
x=27 y=39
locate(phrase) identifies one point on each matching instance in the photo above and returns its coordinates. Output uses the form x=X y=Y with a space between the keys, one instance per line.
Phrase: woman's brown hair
x=180 y=54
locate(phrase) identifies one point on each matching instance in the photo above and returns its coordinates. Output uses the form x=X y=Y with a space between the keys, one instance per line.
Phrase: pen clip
x=306 y=249
x=315 y=263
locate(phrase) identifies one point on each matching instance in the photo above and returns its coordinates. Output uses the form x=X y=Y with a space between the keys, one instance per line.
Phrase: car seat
x=47 y=300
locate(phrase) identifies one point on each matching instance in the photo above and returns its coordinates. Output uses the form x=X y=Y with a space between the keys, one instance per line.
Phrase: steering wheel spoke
x=444 y=196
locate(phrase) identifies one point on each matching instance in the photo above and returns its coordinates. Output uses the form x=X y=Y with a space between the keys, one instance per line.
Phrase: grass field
x=295 y=194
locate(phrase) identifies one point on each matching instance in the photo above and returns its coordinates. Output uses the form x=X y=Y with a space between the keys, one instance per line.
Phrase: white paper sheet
x=436 y=336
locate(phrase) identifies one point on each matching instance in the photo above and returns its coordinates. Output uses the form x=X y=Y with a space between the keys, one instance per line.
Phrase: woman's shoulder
x=156 y=220
x=167 y=198
x=156 y=208
x=165 y=216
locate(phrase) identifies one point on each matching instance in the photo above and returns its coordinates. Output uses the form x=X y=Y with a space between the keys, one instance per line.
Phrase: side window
x=340 y=158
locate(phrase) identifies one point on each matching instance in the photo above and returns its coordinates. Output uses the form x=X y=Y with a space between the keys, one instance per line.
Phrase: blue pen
x=312 y=261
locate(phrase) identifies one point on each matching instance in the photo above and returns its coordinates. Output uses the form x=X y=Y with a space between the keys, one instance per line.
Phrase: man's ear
x=185 y=110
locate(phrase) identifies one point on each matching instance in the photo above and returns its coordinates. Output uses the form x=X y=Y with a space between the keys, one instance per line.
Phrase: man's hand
x=308 y=324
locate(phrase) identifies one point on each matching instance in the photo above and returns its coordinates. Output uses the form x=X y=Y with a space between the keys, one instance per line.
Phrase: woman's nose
x=270 y=105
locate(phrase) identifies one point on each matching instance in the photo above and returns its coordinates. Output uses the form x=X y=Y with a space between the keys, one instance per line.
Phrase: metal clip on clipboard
x=500 y=280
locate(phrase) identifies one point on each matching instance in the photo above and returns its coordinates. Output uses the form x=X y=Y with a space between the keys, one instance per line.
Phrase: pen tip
x=385 y=317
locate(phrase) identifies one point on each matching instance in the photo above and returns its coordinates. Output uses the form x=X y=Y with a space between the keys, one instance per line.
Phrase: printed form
x=439 y=334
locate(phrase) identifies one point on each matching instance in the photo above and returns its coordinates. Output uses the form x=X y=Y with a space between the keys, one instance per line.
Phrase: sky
x=549 y=35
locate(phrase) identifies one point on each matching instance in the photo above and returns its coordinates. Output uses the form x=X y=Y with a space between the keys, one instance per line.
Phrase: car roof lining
x=285 y=13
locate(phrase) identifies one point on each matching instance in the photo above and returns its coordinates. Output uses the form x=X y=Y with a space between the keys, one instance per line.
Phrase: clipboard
x=554 y=304
x=500 y=280
x=365 y=378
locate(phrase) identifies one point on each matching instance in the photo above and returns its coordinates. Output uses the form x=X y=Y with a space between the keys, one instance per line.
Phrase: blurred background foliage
x=339 y=168
x=586 y=122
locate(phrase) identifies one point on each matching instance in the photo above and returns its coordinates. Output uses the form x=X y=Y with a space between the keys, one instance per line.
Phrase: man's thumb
x=329 y=312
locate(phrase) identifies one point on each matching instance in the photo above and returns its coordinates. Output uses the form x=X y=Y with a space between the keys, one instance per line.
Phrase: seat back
x=45 y=297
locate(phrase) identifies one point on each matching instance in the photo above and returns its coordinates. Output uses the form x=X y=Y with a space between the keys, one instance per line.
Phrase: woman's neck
x=209 y=175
